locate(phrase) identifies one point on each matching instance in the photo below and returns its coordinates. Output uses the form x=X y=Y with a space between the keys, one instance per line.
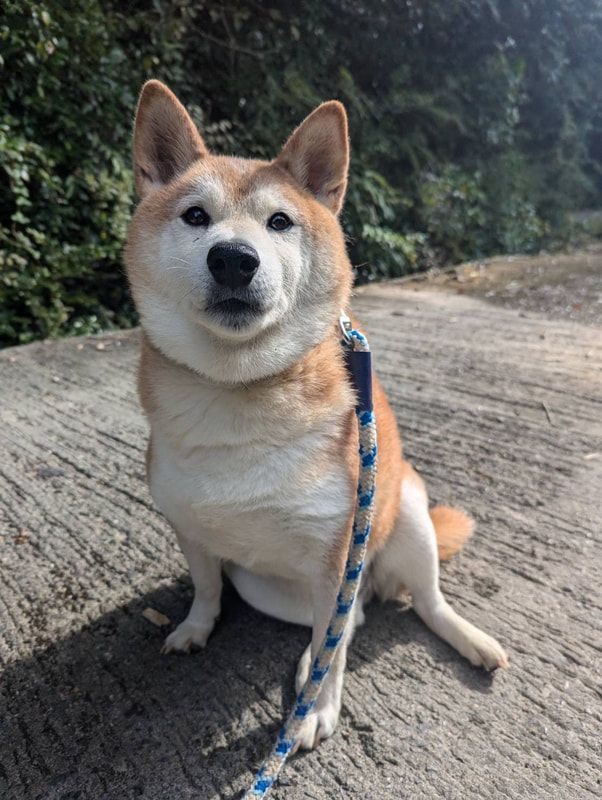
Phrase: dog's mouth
x=234 y=312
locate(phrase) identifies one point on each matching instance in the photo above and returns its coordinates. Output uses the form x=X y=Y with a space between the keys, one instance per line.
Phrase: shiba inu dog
x=239 y=272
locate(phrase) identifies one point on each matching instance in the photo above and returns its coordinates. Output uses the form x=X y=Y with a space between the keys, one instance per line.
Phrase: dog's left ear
x=317 y=154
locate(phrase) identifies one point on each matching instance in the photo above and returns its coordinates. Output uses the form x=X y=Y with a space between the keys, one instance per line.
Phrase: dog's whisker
x=183 y=260
x=176 y=269
x=186 y=294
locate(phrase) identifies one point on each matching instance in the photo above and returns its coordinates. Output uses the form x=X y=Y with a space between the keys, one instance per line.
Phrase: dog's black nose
x=233 y=264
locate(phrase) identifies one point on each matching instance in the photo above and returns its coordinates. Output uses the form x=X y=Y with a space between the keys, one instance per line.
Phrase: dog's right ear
x=166 y=140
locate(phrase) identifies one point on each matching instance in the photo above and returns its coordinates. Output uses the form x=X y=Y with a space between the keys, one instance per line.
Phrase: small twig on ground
x=156 y=617
x=547 y=410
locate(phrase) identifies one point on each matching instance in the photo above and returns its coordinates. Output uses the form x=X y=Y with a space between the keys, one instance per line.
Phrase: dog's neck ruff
x=358 y=362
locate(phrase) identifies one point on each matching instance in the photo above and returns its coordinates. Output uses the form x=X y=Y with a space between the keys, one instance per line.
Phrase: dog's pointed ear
x=166 y=140
x=317 y=154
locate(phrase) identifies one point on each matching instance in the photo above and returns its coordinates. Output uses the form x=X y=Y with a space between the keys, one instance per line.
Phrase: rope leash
x=358 y=362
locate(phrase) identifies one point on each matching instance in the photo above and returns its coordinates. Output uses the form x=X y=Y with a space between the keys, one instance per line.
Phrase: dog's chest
x=257 y=489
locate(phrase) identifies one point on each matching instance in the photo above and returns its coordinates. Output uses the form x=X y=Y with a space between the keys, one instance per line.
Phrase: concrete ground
x=501 y=412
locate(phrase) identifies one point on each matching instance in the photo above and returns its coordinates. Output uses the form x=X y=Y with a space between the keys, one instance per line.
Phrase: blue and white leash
x=358 y=361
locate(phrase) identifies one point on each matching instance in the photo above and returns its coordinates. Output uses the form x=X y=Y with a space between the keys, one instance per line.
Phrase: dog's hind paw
x=484 y=651
x=188 y=634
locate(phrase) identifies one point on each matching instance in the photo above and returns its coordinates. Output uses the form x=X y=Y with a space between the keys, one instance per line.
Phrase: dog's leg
x=321 y=722
x=206 y=573
x=365 y=595
x=410 y=559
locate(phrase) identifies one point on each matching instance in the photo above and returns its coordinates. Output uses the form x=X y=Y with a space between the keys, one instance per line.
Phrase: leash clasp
x=345 y=326
x=358 y=361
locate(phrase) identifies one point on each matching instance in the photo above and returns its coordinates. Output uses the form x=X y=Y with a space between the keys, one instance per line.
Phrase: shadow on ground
x=117 y=719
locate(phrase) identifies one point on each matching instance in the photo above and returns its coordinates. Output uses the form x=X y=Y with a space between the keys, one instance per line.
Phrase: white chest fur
x=249 y=475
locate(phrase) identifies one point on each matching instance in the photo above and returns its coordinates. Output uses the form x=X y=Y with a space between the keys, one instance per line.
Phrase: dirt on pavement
x=559 y=285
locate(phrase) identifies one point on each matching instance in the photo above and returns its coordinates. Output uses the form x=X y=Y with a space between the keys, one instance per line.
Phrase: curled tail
x=453 y=528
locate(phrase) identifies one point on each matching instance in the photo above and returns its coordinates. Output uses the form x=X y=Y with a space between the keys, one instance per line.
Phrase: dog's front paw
x=187 y=635
x=318 y=724
x=484 y=651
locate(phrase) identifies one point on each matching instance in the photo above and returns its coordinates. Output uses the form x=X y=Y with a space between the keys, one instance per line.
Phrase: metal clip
x=345 y=326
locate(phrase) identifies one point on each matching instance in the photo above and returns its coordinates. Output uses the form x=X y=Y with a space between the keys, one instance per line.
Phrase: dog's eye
x=279 y=222
x=196 y=216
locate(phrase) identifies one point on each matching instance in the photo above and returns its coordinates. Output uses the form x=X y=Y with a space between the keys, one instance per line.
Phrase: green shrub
x=452 y=210
x=65 y=188
x=476 y=128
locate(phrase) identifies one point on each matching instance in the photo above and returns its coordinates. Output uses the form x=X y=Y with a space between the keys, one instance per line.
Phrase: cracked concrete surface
x=499 y=410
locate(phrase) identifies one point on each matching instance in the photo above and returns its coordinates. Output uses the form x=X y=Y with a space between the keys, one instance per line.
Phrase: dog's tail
x=453 y=528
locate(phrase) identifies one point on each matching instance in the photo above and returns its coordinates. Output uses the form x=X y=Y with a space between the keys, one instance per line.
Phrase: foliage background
x=476 y=127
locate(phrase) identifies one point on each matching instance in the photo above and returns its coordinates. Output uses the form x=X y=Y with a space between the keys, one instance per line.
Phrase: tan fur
x=314 y=383
x=304 y=394
x=253 y=456
x=453 y=528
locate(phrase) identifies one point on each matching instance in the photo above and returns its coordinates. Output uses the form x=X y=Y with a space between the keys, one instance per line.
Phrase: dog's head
x=237 y=266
